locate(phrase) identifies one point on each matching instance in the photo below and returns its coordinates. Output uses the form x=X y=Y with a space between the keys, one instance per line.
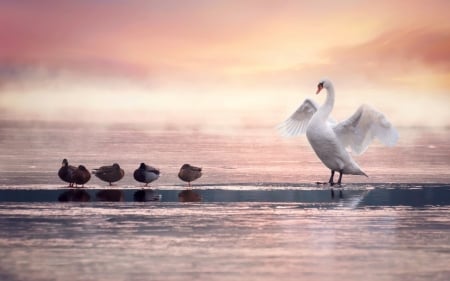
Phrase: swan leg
x=331 y=181
x=340 y=177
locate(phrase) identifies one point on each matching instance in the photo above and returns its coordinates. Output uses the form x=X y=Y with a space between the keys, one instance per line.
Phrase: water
x=261 y=217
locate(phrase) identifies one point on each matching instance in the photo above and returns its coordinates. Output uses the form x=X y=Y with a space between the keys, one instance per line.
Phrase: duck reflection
x=74 y=195
x=110 y=195
x=189 y=195
x=146 y=195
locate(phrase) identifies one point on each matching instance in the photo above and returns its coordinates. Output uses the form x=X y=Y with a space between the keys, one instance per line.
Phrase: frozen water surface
x=261 y=217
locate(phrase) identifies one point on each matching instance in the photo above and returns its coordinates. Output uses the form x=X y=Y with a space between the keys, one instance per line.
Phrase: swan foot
x=339 y=184
x=331 y=181
x=321 y=182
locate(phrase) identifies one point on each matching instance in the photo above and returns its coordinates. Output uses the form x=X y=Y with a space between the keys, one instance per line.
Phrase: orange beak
x=319 y=88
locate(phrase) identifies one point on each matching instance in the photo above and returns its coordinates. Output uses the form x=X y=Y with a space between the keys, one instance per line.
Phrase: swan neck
x=327 y=107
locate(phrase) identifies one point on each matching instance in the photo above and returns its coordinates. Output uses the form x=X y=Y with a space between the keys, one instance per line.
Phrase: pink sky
x=245 y=59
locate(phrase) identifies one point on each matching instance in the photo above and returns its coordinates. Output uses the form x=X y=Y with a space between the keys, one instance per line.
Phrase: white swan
x=330 y=139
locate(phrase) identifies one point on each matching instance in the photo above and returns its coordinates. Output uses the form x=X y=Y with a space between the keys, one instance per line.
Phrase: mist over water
x=65 y=95
x=31 y=153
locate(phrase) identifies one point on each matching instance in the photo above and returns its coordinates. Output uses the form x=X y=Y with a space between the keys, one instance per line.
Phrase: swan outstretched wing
x=366 y=124
x=297 y=123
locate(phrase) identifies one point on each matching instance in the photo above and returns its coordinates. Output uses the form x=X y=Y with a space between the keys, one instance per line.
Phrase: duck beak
x=319 y=88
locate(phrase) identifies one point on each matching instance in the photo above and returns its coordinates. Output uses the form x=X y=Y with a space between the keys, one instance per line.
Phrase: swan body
x=330 y=139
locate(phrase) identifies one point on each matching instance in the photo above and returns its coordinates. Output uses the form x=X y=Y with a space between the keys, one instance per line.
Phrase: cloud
x=222 y=54
x=219 y=39
x=404 y=57
x=397 y=47
x=397 y=54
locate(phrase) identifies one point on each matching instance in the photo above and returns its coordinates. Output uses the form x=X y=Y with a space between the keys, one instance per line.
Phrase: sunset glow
x=243 y=63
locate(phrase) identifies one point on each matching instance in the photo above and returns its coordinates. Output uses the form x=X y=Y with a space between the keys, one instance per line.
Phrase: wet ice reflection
x=219 y=241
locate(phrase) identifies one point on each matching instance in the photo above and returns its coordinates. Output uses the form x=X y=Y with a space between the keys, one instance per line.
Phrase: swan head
x=324 y=83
